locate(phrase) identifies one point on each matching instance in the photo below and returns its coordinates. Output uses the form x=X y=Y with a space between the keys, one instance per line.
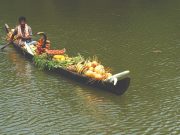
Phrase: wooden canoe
x=119 y=87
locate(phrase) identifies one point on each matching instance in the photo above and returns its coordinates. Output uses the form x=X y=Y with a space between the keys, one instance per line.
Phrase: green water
x=142 y=36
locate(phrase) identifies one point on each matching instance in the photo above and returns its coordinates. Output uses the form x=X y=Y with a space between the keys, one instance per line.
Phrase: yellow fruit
x=91 y=68
x=94 y=63
x=108 y=75
x=63 y=58
x=98 y=76
x=59 y=57
x=89 y=73
x=99 y=69
x=93 y=75
x=101 y=66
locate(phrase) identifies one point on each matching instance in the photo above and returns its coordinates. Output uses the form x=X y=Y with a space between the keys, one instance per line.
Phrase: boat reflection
x=21 y=67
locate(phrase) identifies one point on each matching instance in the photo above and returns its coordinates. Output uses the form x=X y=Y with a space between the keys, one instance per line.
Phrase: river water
x=142 y=36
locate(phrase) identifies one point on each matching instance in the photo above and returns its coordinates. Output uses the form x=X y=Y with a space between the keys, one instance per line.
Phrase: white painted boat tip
x=114 y=79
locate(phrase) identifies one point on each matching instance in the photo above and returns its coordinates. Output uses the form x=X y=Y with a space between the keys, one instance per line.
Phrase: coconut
x=94 y=63
x=108 y=75
x=99 y=69
x=102 y=71
x=89 y=73
x=98 y=76
x=91 y=68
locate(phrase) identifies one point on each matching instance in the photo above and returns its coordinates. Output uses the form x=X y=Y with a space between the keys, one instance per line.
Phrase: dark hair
x=22 y=18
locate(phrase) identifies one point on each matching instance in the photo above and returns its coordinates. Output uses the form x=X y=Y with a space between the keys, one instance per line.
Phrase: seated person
x=22 y=32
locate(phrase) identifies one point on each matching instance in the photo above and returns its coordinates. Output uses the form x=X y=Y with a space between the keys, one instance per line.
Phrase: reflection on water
x=21 y=68
x=141 y=36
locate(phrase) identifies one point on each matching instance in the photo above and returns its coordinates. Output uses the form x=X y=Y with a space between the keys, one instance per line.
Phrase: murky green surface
x=142 y=36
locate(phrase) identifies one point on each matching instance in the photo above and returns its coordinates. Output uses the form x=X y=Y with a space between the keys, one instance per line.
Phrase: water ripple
x=146 y=42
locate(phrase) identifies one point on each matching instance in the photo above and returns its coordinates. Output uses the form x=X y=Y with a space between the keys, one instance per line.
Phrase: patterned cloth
x=18 y=31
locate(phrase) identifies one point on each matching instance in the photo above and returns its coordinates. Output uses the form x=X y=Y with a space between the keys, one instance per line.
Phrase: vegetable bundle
x=47 y=61
x=89 y=68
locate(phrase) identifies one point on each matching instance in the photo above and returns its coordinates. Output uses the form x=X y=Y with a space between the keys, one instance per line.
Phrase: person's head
x=22 y=21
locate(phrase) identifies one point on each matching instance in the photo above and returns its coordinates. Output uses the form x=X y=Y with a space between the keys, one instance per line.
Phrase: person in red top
x=23 y=32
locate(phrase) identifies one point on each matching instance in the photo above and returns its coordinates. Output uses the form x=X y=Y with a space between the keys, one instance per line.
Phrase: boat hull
x=121 y=86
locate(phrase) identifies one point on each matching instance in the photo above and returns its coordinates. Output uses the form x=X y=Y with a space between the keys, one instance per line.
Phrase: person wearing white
x=23 y=34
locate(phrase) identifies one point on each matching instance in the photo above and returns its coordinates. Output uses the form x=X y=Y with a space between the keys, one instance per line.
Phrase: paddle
x=9 y=43
x=6 y=45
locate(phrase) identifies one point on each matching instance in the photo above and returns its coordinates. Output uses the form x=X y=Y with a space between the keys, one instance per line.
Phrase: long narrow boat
x=117 y=84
